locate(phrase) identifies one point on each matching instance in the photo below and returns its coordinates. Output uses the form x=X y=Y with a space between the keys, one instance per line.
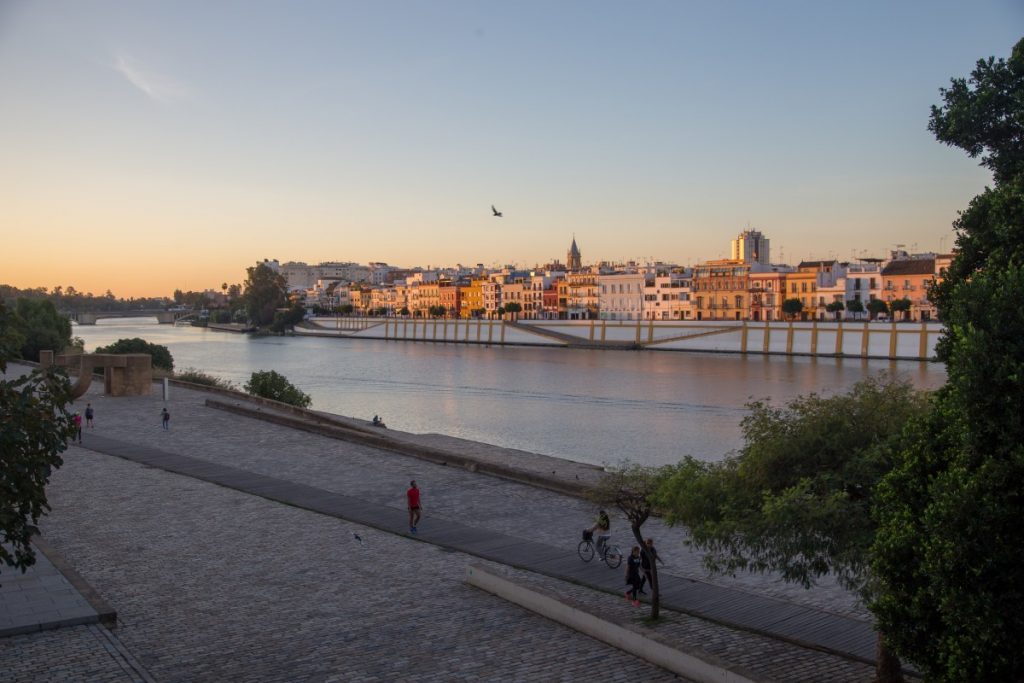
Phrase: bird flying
x=497 y=214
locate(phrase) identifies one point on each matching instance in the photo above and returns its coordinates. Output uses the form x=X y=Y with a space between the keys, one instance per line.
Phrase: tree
x=901 y=306
x=35 y=425
x=161 y=354
x=835 y=307
x=797 y=497
x=287 y=320
x=270 y=384
x=404 y=311
x=855 y=306
x=948 y=550
x=877 y=307
x=792 y=308
x=39 y=327
x=265 y=291
x=513 y=308
x=631 y=489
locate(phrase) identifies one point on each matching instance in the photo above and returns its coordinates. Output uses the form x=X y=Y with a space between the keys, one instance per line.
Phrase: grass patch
x=199 y=377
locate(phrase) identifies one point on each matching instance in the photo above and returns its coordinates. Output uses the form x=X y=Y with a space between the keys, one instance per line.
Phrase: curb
x=383 y=442
x=694 y=665
x=106 y=614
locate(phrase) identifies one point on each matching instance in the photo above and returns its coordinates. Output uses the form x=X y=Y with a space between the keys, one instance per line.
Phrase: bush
x=161 y=354
x=270 y=384
x=199 y=377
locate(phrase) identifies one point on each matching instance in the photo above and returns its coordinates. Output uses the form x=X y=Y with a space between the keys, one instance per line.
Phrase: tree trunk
x=888 y=669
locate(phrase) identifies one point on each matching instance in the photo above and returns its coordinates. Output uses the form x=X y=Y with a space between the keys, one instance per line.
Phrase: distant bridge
x=163 y=317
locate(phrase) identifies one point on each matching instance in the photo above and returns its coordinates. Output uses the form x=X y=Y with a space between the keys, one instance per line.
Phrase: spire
x=573 y=260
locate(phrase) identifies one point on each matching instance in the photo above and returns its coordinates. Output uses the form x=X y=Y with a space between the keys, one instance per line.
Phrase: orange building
x=910 y=278
x=451 y=298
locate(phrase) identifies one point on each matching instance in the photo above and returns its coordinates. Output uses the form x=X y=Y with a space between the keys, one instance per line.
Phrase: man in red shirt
x=413 y=494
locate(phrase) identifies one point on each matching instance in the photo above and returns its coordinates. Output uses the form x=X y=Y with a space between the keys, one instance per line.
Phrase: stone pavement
x=214 y=584
x=776 y=618
x=43 y=598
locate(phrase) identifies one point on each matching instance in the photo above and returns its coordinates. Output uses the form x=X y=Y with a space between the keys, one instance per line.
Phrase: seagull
x=497 y=214
x=356 y=536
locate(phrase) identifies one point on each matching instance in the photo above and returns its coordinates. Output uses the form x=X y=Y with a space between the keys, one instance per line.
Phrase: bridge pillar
x=85 y=318
x=165 y=317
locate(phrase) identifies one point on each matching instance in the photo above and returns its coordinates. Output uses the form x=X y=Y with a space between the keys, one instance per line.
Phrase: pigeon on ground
x=497 y=214
x=356 y=536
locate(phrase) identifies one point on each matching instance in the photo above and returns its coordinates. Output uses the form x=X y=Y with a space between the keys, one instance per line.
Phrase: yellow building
x=721 y=290
x=472 y=297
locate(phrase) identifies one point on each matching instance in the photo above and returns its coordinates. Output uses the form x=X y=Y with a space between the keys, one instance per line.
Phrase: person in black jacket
x=633 y=575
x=648 y=557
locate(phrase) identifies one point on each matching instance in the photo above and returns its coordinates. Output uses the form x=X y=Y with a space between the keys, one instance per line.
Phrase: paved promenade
x=215 y=584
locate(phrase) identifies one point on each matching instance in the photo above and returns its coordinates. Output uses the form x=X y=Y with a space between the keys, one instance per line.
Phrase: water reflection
x=592 y=406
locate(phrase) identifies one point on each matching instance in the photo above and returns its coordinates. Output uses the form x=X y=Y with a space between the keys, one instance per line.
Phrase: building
x=621 y=296
x=721 y=290
x=750 y=247
x=767 y=292
x=910 y=278
x=573 y=259
x=667 y=296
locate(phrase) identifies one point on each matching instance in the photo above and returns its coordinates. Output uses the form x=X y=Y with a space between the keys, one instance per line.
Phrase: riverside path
x=212 y=583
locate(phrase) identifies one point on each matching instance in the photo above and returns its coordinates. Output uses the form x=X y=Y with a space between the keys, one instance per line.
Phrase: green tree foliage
x=39 y=327
x=513 y=308
x=835 y=307
x=272 y=385
x=855 y=306
x=901 y=306
x=792 y=307
x=161 y=354
x=35 y=426
x=265 y=291
x=287 y=320
x=797 y=497
x=948 y=552
x=877 y=307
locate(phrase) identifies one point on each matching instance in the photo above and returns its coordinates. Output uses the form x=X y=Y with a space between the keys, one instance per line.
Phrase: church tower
x=572 y=258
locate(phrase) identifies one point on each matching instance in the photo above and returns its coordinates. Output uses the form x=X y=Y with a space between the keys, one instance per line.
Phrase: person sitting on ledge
x=377 y=422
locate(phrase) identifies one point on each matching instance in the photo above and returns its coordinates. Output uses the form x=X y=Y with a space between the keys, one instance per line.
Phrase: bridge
x=162 y=316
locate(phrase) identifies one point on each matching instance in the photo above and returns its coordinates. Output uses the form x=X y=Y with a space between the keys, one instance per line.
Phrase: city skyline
x=161 y=146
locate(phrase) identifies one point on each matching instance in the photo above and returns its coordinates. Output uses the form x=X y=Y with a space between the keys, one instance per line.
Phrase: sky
x=149 y=146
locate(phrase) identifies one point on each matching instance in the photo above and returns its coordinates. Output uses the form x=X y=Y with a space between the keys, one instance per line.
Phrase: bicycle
x=609 y=554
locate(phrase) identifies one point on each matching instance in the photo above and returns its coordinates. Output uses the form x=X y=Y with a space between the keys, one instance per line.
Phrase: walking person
x=165 y=419
x=88 y=415
x=633 y=576
x=415 y=507
x=77 y=418
x=648 y=556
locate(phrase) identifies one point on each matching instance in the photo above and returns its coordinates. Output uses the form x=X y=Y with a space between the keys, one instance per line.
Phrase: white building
x=620 y=296
x=667 y=297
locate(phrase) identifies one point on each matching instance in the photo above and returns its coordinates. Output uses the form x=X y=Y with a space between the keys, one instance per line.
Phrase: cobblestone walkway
x=214 y=584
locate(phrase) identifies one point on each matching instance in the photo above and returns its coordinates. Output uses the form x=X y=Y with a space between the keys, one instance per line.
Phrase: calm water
x=592 y=406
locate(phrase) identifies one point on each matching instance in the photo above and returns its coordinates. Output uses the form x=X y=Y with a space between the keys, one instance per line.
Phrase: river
x=591 y=406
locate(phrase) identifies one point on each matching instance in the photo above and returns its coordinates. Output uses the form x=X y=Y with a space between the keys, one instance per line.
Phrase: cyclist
x=601 y=526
